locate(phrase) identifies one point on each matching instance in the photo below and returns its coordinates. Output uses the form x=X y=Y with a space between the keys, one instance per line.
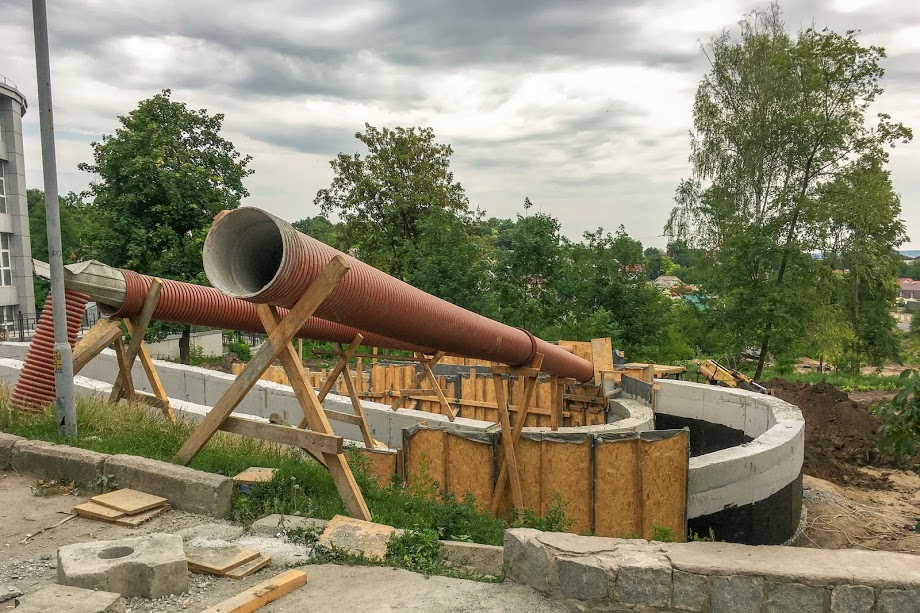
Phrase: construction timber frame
x=508 y=471
x=107 y=332
x=319 y=441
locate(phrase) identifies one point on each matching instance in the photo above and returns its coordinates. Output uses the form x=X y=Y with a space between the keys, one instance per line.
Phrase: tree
x=161 y=179
x=775 y=119
x=321 y=229
x=73 y=233
x=385 y=197
x=866 y=231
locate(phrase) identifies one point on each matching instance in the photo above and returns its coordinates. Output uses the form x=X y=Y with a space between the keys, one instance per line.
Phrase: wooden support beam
x=260 y=595
x=508 y=471
x=429 y=374
x=153 y=377
x=517 y=497
x=139 y=327
x=317 y=442
x=124 y=370
x=101 y=335
x=278 y=343
x=310 y=405
x=369 y=441
x=343 y=417
x=341 y=365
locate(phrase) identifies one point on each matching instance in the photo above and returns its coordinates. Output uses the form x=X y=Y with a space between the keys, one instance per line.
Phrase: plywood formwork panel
x=567 y=470
x=664 y=484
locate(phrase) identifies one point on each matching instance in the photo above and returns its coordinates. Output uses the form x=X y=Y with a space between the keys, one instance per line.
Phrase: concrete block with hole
x=148 y=566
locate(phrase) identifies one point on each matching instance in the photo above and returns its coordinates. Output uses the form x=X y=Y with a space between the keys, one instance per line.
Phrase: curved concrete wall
x=749 y=493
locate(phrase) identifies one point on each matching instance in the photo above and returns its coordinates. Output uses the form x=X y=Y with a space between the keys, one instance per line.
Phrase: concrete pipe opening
x=243 y=252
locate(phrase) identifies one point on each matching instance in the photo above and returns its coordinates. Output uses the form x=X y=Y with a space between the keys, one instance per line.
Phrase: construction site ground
x=31 y=565
x=855 y=496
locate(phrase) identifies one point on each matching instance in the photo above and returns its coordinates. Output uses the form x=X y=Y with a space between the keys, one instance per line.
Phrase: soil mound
x=840 y=435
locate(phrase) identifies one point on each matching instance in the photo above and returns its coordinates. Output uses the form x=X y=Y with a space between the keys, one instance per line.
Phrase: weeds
x=53 y=487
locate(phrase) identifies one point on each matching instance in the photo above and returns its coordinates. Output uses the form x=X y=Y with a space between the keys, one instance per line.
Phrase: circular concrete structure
x=747 y=451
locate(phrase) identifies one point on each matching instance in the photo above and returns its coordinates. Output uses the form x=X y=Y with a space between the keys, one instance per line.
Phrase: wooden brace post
x=508 y=471
x=138 y=330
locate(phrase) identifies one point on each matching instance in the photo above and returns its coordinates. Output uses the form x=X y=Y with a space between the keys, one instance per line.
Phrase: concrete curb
x=597 y=573
x=7 y=442
x=186 y=488
x=486 y=559
x=50 y=461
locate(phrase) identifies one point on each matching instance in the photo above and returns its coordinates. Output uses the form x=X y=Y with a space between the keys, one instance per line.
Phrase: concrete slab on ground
x=65 y=599
x=357 y=537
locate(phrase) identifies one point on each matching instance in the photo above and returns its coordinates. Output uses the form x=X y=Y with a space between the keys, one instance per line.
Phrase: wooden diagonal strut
x=426 y=364
x=510 y=436
x=313 y=412
x=341 y=370
x=139 y=328
x=277 y=343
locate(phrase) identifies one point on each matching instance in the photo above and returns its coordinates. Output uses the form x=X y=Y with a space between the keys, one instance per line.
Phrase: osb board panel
x=425 y=451
x=580 y=348
x=529 y=460
x=664 y=484
x=602 y=356
x=381 y=465
x=566 y=470
x=469 y=468
x=616 y=507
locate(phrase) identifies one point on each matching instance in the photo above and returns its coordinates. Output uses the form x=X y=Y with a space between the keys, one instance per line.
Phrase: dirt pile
x=840 y=434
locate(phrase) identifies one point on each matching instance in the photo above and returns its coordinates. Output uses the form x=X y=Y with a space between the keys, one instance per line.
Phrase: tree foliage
x=387 y=196
x=160 y=180
x=777 y=119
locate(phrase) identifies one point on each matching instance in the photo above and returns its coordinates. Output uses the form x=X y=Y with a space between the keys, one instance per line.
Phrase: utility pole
x=63 y=357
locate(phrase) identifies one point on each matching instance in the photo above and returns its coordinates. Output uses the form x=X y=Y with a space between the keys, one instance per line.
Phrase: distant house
x=909 y=260
x=908 y=288
x=667 y=282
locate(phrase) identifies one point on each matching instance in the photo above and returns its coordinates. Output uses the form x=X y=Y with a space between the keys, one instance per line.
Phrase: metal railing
x=7 y=82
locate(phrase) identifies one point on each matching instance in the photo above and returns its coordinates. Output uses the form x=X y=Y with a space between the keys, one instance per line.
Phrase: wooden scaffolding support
x=508 y=471
x=107 y=332
x=341 y=370
x=426 y=373
x=319 y=441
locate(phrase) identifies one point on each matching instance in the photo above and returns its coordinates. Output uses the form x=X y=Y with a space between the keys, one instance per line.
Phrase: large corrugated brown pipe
x=253 y=255
x=199 y=305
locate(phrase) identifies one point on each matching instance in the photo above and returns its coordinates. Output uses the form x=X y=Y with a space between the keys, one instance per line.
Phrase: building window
x=6 y=267
x=6 y=315
x=2 y=188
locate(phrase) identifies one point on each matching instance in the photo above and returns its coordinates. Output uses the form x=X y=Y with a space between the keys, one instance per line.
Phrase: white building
x=17 y=295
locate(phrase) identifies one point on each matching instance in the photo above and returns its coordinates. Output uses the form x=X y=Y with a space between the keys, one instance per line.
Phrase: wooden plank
x=129 y=501
x=248 y=568
x=602 y=356
x=255 y=474
x=152 y=376
x=124 y=371
x=336 y=463
x=318 y=442
x=277 y=343
x=133 y=521
x=341 y=365
x=519 y=421
x=260 y=595
x=218 y=560
x=151 y=400
x=501 y=369
x=94 y=510
x=510 y=465
x=470 y=468
x=343 y=417
x=100 y=336
x=140 y=324
x=665 y=464
x=616 y=501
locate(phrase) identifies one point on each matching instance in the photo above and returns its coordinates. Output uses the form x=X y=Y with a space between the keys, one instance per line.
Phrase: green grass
x=846 y=382
x=301 y=486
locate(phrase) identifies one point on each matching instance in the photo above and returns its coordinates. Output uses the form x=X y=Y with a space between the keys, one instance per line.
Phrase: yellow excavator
x=717 y=374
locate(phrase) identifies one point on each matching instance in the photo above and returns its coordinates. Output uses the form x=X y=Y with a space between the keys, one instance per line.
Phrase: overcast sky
x=582 y=105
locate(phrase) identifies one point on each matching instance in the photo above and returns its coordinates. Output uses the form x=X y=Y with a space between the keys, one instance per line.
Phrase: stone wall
x=605 y=574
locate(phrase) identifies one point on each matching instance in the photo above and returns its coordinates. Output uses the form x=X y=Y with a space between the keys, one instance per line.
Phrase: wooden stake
x=313 y=409
x=517 y=496
x=278 y=343
x=137 y=336
x=508 y=470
